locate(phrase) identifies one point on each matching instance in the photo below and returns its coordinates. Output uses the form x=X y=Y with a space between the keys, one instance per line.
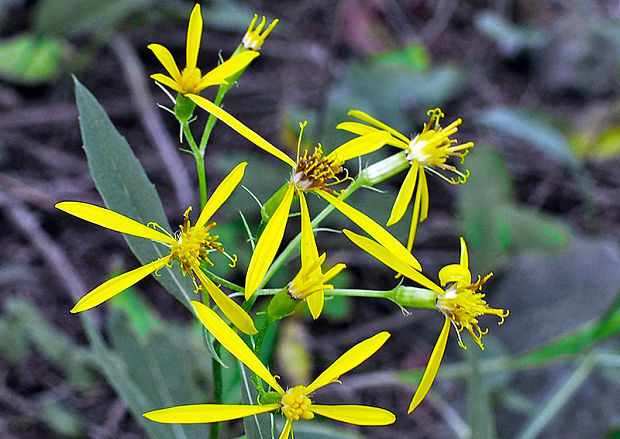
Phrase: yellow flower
x=253 y=38
x=458 y=299
x=294 y=403
x=189 y=247
x=314 y=172
x=191 y=79
x=427 y=150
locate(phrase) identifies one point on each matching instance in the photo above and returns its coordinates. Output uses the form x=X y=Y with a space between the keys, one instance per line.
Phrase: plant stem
x=200 y=163
x=217 y=387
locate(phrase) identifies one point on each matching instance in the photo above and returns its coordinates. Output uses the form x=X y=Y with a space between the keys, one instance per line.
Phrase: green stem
x=260 y=337
x=212 y=119
x=217 y=387
x=200 y=163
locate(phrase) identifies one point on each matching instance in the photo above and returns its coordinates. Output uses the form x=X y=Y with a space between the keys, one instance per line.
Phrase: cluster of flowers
x=457 y=296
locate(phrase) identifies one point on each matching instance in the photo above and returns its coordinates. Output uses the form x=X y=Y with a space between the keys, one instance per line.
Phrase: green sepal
x=184 y=108
x=269 y=398
x=268 y=209
x=281 y=305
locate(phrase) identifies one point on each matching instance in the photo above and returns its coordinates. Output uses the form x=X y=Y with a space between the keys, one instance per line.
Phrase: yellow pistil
x=253 y=38
x=463 y=304
x=193 y=245
x=433 y=146
x=317 y=171
x=295 y=405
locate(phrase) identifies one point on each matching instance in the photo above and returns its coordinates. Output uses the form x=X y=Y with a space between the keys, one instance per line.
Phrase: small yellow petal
x=111 y=220
x=371 y=120
x=268 y=244
x=355 y=414
x=286 y=431
x=228 y=68
x=233 y=343
x=392 y=261
x=373 y=229
x=246 y=132
x=464 y=261
x=229 y=307
x=362 y=128
x=315 y=303
x=309 y=250
x=117 y=285
x=423 y=188
x=165 y=58
x=404 y=195
x=349 y=360
x=166 y=80
x=454 y=273
x=194 y=34
x=415 y=216
x=359 y=146
x=431 y=368
x=221 y=194
x=205 y=413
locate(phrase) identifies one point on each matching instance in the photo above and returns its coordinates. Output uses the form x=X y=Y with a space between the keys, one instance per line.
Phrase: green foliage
x=491 y=220
x=64 y=422
x=125 y=187
x=510 y=38
x=30 y=60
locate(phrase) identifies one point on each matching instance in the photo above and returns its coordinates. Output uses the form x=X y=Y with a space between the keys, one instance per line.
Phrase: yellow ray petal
x=233 y=343
x=423 y=188
x=286 y=431
x=229 y=307
x=349 y=360
x=454 y=273
x=373 y=229
x=371 y=120
x=228 y=68
x=464 y=261
x=315 y=303
x=232 y=122
x=431 y=367
x=359 y=146
x=160 y=77
x=204 y=413
x=117 y=285
x=111 y=220
x=194 y=34
x=404 y=195
x=268 y=244
x=309 y=251
x=355 y=414
x=165 y=58
x=392 y=261
x=221 y=194
x=362 y=128
x=415 y=215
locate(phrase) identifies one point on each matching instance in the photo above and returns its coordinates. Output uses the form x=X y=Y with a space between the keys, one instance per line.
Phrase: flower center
x=190 y=79
x=317 y=171
x=433 y=146
x=463 y=304
x=193 y=245
x=296 y=405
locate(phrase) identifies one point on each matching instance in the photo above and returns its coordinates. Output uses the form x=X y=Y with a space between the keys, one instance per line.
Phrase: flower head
x=253 y=38
x=189 y=247
x=191 y=79
x=315 y=172
x=429 y=150
x=294 y=403
x=458 y=299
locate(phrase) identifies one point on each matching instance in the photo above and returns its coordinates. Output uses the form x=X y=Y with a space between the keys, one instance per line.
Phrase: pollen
x=463 y=304
x=433 y=146
x=316 y=171
x=193 y=245
x=295 y=405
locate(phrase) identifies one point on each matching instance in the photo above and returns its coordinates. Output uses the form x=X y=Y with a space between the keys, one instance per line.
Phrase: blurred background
x=536 y=84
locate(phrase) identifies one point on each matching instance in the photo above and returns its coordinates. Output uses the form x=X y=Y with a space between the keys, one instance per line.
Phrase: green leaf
x=510 y=38
x=63 y=18
x=125 y=187
x=412 y=55
x=481 y=420
x=61 y=420
x=27 y=59
x=531 y=127
x=142 y=315
x=493 y=223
